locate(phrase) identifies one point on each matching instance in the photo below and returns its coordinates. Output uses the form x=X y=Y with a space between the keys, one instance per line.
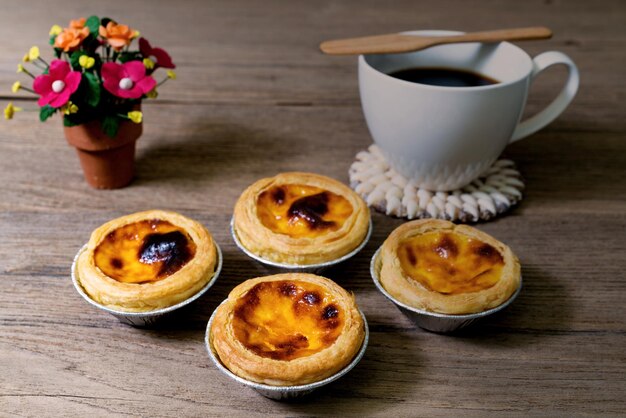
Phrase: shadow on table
x=209 y=149
x=563 y=165
x=373 y=382
x=542 y=309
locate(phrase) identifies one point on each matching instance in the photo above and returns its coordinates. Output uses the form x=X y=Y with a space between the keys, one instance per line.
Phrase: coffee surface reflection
x=446 y=77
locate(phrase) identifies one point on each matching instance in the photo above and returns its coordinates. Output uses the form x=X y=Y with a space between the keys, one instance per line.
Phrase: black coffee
x=446 y=77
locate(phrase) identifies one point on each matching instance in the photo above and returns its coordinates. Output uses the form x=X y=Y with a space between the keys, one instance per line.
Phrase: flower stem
x=27 y=72
x=27 y=89
x=44 y=61
x=162 y=82
x=39 y=65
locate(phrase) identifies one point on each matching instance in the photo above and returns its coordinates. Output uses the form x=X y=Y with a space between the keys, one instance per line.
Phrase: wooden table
x=255 y=97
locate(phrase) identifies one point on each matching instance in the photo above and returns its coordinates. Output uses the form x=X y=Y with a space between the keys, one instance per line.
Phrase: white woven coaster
x=387 y=191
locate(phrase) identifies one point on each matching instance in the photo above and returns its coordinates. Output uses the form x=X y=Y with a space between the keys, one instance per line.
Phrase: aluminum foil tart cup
x=150 y=318
x=274 y=267
x=432 y=321
x=283 y=393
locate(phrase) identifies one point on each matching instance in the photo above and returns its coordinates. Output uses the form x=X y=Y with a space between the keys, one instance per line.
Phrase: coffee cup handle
x=554 y=109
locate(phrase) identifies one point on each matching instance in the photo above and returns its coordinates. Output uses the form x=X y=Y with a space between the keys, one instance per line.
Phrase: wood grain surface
x=254 y=97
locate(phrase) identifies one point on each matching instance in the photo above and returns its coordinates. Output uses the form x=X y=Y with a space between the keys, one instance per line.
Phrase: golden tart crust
x=146 y=261
x=300 y=218
x=287 y=329
x=437 y=266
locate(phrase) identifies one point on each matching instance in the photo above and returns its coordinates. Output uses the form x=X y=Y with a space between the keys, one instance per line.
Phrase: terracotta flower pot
x=108 y=163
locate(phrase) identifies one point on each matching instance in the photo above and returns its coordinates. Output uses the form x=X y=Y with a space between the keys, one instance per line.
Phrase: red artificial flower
x=158 y=55
x=56 y=87
x=128 y=80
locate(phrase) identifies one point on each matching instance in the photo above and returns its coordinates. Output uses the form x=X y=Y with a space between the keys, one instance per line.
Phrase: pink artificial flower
x=56 y=87
x=158 y=55
x=128 y=80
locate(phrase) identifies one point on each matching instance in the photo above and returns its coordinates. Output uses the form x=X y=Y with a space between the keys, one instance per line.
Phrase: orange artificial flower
x=70 y=38
x=118 y=36
x=78 y=23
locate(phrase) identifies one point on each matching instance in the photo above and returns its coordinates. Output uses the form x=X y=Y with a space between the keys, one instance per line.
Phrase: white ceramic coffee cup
x=444 y=137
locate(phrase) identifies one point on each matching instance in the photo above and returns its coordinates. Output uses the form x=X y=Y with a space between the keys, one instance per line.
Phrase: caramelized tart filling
x=285 y=320
x=302 y=211
x=450 y=263
x=144 y=251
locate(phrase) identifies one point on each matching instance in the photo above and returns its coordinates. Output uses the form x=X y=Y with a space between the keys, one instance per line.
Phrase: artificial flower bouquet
x=96 y=74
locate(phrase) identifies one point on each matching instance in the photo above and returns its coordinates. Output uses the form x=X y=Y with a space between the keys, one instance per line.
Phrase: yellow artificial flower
x=137 y=34
x=26 y=58
x=152 y=94
x=86 y=61
x=20 y=68
x=148 y=63
x=33 y=53
x=136 y=116
x=69 y=108
x=171 y=74
x=55 y=30
x=10 y=110
x=16 y=87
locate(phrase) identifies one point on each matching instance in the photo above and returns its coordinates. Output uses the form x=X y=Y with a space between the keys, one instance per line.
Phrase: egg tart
x=287 y=329
x=300 y=218
x=146 y=261
x=437 y=266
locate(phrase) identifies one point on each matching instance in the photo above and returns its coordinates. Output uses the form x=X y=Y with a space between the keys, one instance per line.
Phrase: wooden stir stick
x=396 y=43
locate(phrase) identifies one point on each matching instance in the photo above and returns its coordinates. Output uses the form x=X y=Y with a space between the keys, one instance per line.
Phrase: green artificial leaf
x=92 y=95
x=98 y=64
x=93 y=23
x=110 y=124
x=91 y=43
x=129 y=56
x=74 y=57
x=68 y=121
x=45 y=112
x=58 y=52
x=52 y=39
